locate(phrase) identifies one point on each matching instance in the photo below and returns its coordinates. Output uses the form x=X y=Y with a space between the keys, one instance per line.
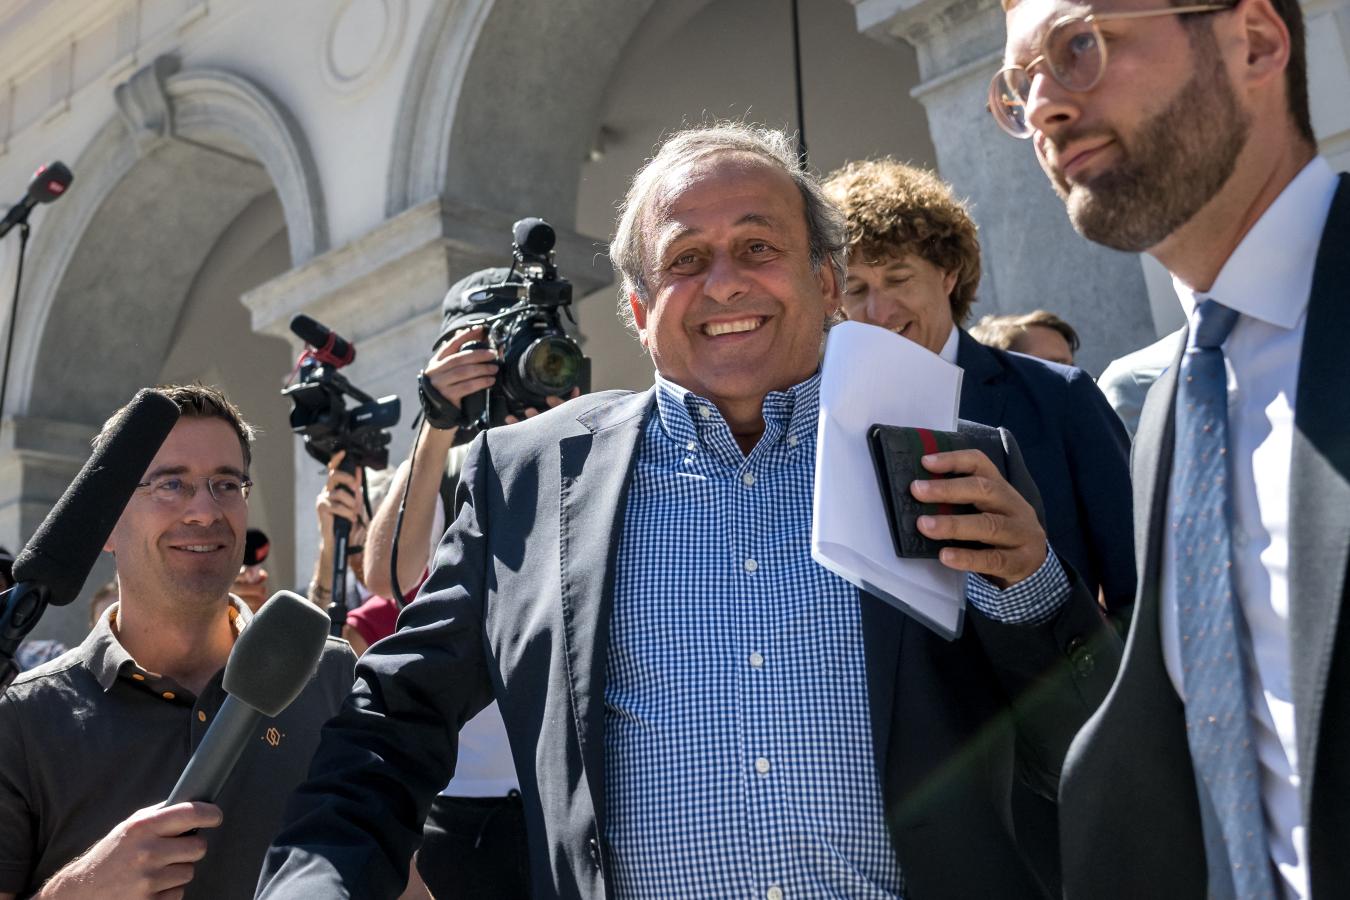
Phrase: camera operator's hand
x=341 y=498
x=456 y=373
x=1005 y=521
x=149 y=854
x=551 y=401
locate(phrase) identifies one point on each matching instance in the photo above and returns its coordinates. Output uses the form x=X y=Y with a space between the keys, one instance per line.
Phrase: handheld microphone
x=49 y=183
x=328 y=346
x=273 y=659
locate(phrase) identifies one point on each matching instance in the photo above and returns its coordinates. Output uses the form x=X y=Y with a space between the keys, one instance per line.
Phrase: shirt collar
x=107 y=659
x=789 y=415
x=1269 y=275
x=948 y=351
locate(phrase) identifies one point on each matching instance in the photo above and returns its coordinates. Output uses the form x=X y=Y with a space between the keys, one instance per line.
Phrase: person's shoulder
x=1039 y=372
x=337 y=655
x=336 y=672
x=63 y=683
x=576 y=415
x=57 y=674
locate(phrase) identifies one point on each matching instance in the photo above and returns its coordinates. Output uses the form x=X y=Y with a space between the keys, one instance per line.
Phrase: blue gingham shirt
x=738 y=743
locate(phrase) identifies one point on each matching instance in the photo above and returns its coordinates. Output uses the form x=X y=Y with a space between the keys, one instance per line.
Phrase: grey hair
x=826 y=228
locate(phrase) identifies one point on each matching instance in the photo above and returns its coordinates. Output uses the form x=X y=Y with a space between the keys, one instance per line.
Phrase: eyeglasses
x=1074 y=54
x=175 y=490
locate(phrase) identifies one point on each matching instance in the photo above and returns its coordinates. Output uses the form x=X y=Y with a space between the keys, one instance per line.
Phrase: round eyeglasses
x=1074 y=54
x=175 y=490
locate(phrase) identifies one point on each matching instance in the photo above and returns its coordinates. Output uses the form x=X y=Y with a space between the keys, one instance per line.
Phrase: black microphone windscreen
x=50 y=182
x=309 y=330
x=318 y=335
x=533 y=236
x=67 y=543
x=277 y=653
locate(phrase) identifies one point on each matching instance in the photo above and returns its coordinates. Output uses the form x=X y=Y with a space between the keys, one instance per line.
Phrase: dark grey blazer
x=1128 y=803
x=518 y=609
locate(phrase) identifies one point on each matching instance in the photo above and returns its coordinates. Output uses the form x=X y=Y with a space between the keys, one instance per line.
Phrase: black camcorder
x=522 y=315
x=319 y=410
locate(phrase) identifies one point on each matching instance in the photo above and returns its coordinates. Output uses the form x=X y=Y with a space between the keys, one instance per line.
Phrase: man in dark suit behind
x=913 y=268
x=695 y=706
x=1219 y=762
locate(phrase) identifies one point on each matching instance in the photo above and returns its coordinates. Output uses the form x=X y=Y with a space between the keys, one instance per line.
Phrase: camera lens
x=550 y=365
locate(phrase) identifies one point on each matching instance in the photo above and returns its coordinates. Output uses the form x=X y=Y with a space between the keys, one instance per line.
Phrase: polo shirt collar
x=103 y=654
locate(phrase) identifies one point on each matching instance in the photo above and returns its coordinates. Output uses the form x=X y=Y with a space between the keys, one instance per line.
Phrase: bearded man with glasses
x=1217 y=765
x=92 y=742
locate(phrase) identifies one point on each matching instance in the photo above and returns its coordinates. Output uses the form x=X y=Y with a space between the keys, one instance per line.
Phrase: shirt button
x=137 y=676
x=757 y=660
x=201 y=716
x=705 y=412
x=691 y=446
x=762 y=766
x=751 y=565
x=792 y=440
x=748 y=480
x=774 y=893
x=168 y=695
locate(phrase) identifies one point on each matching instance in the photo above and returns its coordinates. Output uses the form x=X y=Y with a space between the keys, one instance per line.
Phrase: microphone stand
x=342 y=529
x=13 y=315
x=20 y=608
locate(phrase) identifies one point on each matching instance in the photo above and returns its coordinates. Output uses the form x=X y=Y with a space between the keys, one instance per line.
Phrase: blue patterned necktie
x=1218 y=727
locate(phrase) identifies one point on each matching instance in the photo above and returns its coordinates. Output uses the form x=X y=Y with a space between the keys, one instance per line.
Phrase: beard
x=1173 y=164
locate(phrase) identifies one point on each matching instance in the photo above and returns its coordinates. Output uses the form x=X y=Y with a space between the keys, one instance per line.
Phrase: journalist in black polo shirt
x=92 y=742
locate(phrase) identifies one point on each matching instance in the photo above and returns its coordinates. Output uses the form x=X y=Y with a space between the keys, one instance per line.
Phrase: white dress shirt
x=1268 y=280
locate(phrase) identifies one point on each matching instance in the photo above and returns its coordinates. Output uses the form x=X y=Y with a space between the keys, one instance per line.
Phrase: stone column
x=1032 y=256
x=383 y=292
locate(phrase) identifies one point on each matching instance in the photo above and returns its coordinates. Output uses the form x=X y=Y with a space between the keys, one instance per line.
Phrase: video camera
x=319 y=412
x=522 y=316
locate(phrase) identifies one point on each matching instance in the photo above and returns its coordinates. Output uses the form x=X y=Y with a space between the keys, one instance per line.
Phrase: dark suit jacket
x=518 y=608
x=1131 y=764
x=1078 y=453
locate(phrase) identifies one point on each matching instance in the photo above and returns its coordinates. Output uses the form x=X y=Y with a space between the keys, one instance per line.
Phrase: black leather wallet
x=897 y=453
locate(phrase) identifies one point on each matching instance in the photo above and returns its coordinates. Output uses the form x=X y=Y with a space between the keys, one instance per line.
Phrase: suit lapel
x=983 y=393
x=883 y=626
x=597 y=467
x=1319 y=487
x=1151 y=468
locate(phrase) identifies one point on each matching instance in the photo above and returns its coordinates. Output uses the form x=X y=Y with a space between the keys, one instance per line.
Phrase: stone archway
x=503 y=100
x=200 y=187
x=155 y=188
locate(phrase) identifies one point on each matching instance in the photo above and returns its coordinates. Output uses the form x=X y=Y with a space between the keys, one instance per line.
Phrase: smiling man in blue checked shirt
x=695 y=707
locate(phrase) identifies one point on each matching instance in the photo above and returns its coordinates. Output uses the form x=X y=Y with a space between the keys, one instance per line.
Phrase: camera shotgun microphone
x=273 y=659
x=53 y=565
x=49 y=183
x=327 y=346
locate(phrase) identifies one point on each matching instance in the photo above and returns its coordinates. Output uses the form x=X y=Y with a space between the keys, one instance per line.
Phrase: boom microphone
x=52 y=567
x=272 y=661
x=49 y=182
x=67 y=543
x=328 y=346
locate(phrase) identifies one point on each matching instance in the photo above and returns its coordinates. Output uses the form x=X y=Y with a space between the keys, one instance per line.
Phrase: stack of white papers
x=872 y=376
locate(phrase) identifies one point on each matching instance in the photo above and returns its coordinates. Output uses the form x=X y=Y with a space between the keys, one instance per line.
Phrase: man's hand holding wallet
x=948 y=500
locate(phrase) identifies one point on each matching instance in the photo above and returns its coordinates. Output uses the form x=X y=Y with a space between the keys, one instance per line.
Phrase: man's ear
x=1267 y=43
x=830 y=288
x=639 y=316
x=949 y=283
